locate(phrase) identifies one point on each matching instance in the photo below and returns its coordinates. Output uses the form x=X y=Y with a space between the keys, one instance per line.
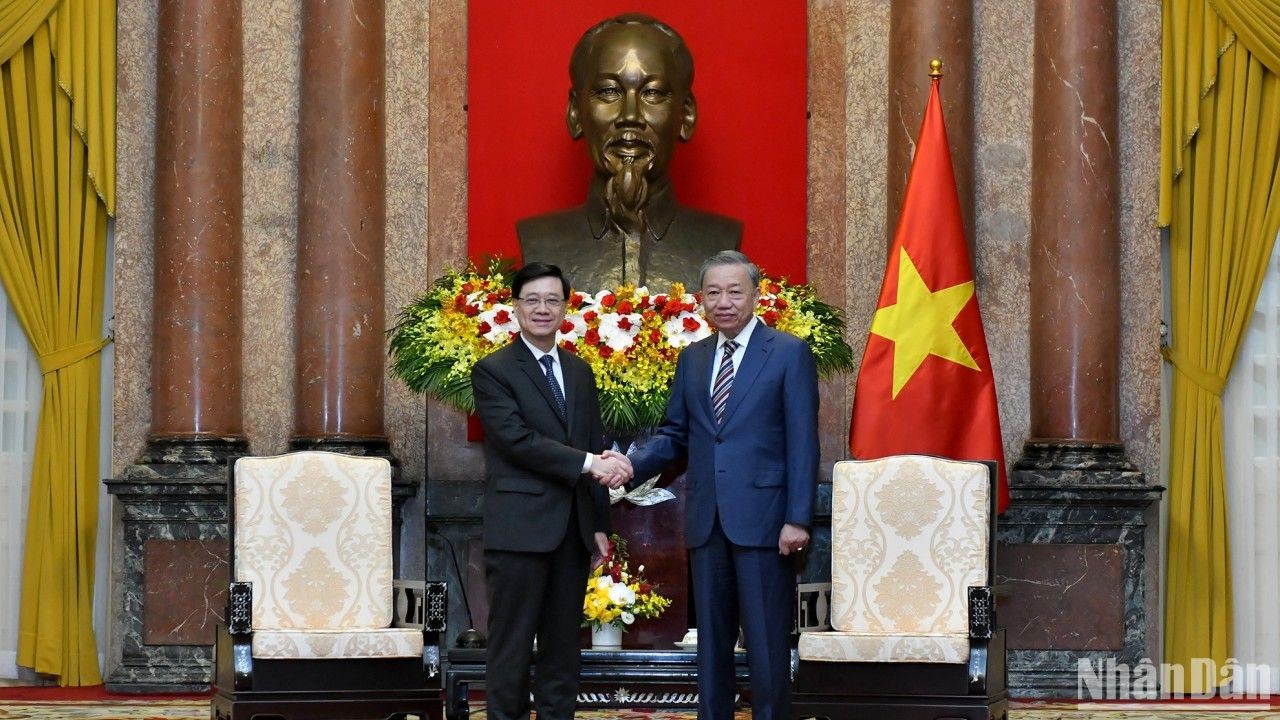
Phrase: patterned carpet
x=130 y=709
x=105 y=710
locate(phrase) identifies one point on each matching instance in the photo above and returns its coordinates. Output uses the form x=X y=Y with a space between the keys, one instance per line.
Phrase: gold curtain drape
x=57 y=185
x=1220 y=198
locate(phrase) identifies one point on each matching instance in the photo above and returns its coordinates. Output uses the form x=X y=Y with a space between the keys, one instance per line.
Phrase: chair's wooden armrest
x=420 y=604
x=240 y=609
x=813 y=608
x=982 y=612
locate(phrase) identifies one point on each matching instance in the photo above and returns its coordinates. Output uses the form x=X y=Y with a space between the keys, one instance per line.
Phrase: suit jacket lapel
x=572 y=388
x=534 y=370
x=756 y=354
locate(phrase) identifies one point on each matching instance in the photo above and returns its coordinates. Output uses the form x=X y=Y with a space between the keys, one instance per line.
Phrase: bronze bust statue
x=631 y=97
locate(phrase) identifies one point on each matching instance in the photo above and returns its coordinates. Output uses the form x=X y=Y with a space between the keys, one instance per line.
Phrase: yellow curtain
x=1220 y=198
x=19 y=20
x=57 y=158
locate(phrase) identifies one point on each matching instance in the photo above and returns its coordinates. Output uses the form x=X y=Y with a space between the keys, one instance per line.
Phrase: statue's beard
x=627 y=193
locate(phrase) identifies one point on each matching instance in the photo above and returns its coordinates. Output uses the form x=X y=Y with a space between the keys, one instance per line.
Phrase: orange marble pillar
x=920 y=31
x=171 y=549
x=341 y=225
x=195 y=389
x=1082 y=522
x=1075 y=237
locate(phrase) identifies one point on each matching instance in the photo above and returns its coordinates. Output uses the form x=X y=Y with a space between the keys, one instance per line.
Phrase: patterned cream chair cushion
x=909 y=536
x=313 y=536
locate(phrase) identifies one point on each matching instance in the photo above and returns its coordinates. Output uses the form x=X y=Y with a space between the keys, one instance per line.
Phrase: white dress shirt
x=743 y=338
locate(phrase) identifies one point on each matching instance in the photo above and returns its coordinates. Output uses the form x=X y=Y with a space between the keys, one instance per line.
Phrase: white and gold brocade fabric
x=326 y=644
x=909 y=536
x=837 y=646
x=313 y=535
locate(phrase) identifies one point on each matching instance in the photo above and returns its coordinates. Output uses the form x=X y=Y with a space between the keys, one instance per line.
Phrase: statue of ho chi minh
x=631 y=97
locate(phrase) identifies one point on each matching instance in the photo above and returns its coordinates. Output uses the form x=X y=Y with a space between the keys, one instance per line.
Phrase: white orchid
x=679 y=335
x=579 y=327
x=498 y=329
x=621 y=595
x=619 y=331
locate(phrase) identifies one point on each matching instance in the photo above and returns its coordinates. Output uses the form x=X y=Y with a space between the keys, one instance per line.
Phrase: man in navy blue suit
x=744 y=412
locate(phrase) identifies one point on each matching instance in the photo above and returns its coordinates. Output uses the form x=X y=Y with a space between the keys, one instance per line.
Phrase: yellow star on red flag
x=920 y=323
x=926 y=384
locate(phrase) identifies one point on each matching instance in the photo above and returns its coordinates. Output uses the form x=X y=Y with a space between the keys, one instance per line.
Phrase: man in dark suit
x=544 y=511
x=744 y=412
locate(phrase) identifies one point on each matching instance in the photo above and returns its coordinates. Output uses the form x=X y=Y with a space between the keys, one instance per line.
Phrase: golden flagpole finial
x=935 y=68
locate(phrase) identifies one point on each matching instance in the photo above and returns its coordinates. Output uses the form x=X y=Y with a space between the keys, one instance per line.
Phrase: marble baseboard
x=1078 y=519
x=174 y=500
x=167 y=502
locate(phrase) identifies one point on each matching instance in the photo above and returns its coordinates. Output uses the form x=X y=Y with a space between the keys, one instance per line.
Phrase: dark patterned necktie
x=724 y=380
x=549 y=363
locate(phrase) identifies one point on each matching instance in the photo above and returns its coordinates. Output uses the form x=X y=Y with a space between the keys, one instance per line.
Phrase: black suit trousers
x=535 y=594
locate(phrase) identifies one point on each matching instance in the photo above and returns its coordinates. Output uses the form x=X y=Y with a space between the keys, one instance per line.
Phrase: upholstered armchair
x=913 y=623
x=314 y=628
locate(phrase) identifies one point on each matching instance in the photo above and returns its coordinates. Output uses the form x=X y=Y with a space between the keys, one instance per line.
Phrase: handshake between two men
x=611 y=469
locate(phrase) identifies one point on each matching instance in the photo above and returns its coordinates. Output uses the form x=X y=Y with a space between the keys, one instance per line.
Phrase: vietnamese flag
x=925 y=386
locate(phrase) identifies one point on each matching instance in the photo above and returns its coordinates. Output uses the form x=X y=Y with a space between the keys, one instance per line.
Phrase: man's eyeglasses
x=552 y=303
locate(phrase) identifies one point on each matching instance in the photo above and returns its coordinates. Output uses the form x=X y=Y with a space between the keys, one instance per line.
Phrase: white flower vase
x=606 y=637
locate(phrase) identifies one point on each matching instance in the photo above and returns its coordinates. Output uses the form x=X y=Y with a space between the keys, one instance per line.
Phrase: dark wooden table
x=609 y=679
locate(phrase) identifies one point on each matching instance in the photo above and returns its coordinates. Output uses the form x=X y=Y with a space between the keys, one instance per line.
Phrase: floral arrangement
x=629 y=335
x=617 y=596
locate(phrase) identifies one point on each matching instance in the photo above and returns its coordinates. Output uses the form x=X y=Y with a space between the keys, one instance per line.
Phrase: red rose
x=460 y=302
x=468 y=288
x=624 y=323
x=775 y=288
x=484 y=328
x=625 y=307
x=655 y=336
x=566 y=327
x=575 y=301
x=691 y=324
x=645 y=589
x=491 y=298
x=780 y=304
x=504 y=293
x=647 y=315
x=471 y=311
x=571 y=347
x=502 y=317
x=616 y=574
x=592 y=336
x=590 y=315
x=606 y=352
x=608 y=300
x=771 y=317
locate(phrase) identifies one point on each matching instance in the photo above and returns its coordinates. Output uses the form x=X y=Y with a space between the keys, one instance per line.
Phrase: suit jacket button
x=719 y=441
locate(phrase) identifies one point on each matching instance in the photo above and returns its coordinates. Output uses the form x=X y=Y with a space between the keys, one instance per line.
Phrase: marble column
x=920 y=31
x=1075 y=537
x=342 y=210
x=341 y=226
x=170 y=549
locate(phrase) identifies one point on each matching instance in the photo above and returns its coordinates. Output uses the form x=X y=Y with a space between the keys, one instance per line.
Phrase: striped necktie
x=548 y=363
x=724 y=380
